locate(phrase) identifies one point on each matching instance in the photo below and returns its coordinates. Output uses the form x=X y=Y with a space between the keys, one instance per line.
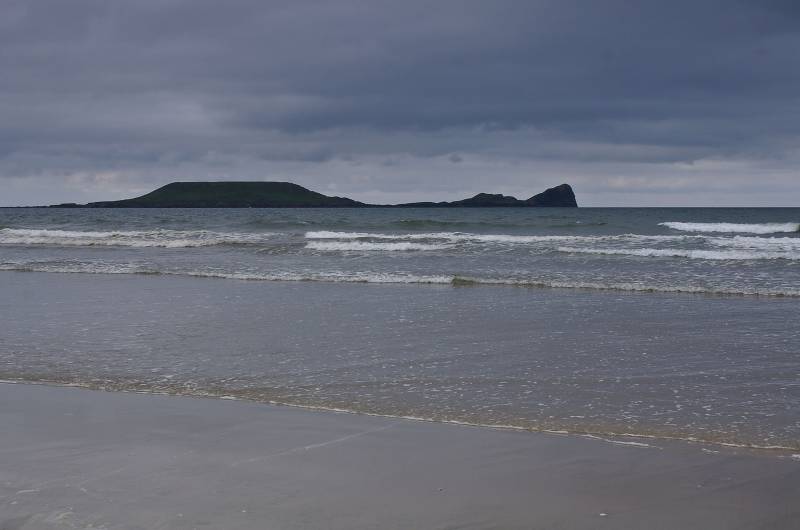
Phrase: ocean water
x=652 y=322
x=717 y=251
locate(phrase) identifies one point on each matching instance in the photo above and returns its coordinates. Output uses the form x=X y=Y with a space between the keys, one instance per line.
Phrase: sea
x=638 y=323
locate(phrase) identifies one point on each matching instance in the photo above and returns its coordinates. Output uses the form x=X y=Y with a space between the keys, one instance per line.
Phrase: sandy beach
x=75 y=458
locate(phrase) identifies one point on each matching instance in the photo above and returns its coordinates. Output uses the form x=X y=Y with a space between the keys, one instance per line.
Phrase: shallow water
x=441 y=314
x=723 y=369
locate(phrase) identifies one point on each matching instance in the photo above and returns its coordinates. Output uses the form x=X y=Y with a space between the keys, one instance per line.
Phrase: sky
x=632 y=102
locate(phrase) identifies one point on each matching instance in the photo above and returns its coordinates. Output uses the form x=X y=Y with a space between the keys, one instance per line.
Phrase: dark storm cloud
x=136 y=92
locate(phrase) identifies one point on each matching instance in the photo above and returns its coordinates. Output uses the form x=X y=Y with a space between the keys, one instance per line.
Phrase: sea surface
x=663 y=322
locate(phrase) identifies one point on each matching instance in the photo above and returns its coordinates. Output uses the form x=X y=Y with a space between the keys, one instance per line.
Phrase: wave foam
x=758 y=228
x=776 y=244
x=455 y=237
x=442 y=236
x=123 y=238
x=401 y=278
x=735 y=255
x=346 y=246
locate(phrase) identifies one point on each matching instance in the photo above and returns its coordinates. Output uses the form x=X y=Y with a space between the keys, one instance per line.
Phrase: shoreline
x=77 y=458
x=645 y=368
x=777 y=451
x=455 y=281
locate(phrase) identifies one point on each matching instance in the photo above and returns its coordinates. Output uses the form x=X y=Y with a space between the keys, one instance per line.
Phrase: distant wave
x=677 y=246
x=345 y=246
x=127 y=238
x=441 y=223
x=490 y=238
x=443 y=236
x=401 y=278
x=283 y=223
x=759 y=228
x=775 y=244
x=738 y=255
x=690 y=246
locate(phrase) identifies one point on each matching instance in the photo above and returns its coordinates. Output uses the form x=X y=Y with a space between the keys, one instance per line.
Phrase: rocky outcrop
x=560 y=196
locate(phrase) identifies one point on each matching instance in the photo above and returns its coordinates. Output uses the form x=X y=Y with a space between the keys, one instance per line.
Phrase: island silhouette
x=250 y=194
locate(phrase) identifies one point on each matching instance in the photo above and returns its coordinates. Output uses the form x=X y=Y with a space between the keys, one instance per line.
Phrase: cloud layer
x=644 y=102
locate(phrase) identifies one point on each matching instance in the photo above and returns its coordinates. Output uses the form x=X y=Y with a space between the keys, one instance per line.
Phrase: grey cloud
x=155 y=89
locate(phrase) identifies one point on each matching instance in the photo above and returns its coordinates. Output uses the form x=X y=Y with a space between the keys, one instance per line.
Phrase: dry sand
x=72 y=458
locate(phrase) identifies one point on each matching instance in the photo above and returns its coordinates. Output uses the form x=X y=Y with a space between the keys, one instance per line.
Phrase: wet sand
x=73 y=458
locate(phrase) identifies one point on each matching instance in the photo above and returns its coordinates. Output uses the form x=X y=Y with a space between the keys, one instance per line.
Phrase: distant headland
x=288 y=195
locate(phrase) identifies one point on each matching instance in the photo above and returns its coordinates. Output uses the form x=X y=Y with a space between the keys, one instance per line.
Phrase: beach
x=590 y=368
x=270 y=265
x=74 y=458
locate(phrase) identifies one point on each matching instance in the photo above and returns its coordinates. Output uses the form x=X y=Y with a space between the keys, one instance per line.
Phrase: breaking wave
x=743 y=228
x=691 y=246
x=127 y=238
x=738 y=255
x=488 y=238
x=548 y=222
x=403 y=278
x=441 y=236
x=778 y=244
x=347 y=246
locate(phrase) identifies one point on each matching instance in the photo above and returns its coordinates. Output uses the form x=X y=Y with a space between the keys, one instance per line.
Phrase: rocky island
x=288 y=195
x=560 y=196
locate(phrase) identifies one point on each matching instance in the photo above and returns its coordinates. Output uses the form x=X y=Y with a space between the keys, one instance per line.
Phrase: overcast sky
x=632 y=102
